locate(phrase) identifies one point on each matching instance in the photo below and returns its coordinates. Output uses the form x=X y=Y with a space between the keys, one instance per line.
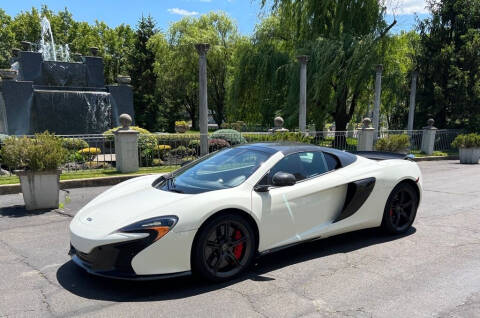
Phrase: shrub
x=44 y=152
x=195 y=144
x=87 y=154
x=393 y=143
x=217 y=144
x=238 y=126
x=467 y=141
x=162 y=151
x=182 y=123
x=74 y=144
x=136 y=128
x=162 y=148
x=279 y=136
x=182 y=151
x=233 y=137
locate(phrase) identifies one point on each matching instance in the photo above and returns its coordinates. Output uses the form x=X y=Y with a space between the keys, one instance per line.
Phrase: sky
x=247 y=13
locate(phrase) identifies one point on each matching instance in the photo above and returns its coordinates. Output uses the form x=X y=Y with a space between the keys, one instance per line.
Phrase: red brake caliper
x=237 y=250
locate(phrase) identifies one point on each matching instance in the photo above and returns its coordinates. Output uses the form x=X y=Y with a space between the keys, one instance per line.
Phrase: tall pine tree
x=143 y=77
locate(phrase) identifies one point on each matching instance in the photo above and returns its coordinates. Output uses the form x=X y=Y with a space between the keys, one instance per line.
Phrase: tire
x=224 y=248
x=401 y=209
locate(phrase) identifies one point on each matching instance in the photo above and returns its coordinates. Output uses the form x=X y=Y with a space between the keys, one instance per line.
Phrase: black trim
x=357 y=193
x=113 y=260
x=123 y=276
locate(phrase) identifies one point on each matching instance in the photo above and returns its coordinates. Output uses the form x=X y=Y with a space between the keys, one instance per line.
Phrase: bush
x=74 y=144
x=238 y=126
x=44 y=152
x=393 y=143
x=175 y=140
x=279 y=136
x=87 y=154
x=467 y=141
x=233 y=137
x=217 y=144
x=181 y=151
x=162 y=151
x=194 y=144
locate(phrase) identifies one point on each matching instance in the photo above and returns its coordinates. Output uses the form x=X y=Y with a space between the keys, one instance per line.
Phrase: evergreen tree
x=449 y=64
x=143 y=76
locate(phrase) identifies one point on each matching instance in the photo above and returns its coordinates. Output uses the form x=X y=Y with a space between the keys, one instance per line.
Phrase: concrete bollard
x=365 y=136
x=126 y=146
x=428 y=137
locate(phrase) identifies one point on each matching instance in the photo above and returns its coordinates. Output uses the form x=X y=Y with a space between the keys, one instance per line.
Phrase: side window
x=302 y=165
x=332 y=161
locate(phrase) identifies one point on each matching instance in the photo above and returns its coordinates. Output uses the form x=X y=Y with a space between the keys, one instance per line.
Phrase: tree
x=143 y=77
x=7 y=39
x=176 y=65
x=449 y=64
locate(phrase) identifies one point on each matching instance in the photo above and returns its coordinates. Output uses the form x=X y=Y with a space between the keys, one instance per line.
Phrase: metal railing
x=97 y=151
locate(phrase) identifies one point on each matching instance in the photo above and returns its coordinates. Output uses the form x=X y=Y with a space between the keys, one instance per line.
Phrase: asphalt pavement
x=432 y=271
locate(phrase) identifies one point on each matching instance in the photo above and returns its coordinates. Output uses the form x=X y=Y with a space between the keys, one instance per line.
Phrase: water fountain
x=47 y=90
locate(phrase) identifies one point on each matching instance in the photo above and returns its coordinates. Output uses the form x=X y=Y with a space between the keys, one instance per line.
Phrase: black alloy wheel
x=224 y=248
x=401 y=209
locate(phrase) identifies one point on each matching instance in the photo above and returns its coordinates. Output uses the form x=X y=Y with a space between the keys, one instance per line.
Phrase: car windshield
x=222 y=170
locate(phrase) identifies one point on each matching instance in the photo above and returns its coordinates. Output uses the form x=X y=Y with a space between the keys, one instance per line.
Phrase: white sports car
x=213 y=216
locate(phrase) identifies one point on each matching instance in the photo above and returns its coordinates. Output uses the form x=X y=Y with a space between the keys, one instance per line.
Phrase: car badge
x=89 y=219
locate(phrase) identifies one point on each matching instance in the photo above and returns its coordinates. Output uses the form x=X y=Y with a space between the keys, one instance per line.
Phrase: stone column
x=202 y=49
x=302 y=111
x=378 y=95
x=428 y=137
x=365 y=136
x=126 y=146
x=413 y=93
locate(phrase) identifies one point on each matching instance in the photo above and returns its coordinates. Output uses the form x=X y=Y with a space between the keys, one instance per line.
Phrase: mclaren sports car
x=214 y=216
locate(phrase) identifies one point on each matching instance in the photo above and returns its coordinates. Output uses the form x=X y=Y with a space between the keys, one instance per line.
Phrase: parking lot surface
x=432 y=271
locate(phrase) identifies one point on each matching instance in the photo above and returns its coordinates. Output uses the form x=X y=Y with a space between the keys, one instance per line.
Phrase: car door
x=299 y=212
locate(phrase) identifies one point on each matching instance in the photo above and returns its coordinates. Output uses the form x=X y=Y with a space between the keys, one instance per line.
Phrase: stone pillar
x=428 y=137
x=126 y=146
x=202 y=49
x=365 y=136
x=378 y=95
x=302 y=110
x=413 y=93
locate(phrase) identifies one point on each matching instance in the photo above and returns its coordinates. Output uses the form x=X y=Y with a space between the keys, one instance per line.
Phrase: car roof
x=287 y=148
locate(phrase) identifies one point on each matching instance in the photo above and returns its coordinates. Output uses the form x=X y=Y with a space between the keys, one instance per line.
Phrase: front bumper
x=115 y=261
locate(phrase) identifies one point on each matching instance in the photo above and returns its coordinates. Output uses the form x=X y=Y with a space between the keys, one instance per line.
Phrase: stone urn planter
x=181 y=127
x=469 y=155
x=36 y=162
x=469 y=148
x=40 y=188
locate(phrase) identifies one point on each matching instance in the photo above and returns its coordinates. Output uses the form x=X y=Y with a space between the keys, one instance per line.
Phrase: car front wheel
x=224 y=248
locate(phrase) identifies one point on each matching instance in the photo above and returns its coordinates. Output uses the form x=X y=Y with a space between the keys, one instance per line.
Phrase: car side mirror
x=282 y=179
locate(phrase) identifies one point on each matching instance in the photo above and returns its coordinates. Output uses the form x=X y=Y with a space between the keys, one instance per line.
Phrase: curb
x=76 y=183
x=436 y=158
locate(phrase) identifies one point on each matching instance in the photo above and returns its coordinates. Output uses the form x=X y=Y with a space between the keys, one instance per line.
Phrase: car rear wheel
x=401 y=209
x=224 y=248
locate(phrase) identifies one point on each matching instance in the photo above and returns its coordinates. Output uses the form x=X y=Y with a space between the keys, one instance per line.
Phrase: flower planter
x=40 y=189
x=469 y=155
x=180 y=129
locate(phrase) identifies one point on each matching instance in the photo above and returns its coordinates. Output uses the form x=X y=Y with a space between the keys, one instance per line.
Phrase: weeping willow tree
x=340 y=36
x=258 y=88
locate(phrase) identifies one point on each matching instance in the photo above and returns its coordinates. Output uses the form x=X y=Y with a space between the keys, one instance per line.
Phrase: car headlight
x=157 y=226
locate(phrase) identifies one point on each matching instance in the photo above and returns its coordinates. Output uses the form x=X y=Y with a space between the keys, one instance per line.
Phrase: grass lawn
x=95 y=173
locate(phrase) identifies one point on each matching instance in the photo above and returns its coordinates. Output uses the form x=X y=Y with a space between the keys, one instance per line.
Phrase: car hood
x=126 y=203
